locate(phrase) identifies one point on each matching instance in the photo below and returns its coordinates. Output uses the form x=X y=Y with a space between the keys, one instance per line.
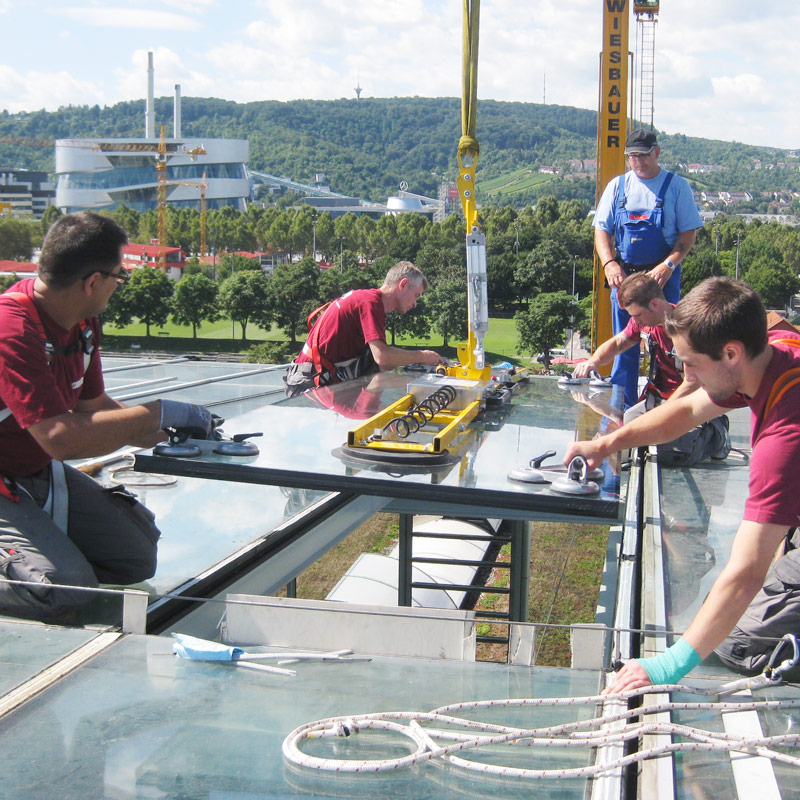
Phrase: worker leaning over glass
x=347 y=337
x=57 y=525
x=719 y=331
x=646 y=221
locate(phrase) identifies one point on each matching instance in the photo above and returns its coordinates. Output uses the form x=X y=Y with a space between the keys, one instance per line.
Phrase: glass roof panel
x=303 y=441
x=26 y=649
x=137 y=721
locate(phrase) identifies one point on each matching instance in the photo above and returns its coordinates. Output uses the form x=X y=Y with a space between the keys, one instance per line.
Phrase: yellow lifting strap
x=468 y=147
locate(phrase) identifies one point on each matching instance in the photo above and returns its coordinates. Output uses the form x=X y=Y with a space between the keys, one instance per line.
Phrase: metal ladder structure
x=513 y=532
x=646 y=19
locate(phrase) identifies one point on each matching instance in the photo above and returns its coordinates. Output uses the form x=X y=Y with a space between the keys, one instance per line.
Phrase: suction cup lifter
x=569 y=380
x=181 y=444
x=598 y=381
x=238 y=446
x=577 y=479
x=532 y=473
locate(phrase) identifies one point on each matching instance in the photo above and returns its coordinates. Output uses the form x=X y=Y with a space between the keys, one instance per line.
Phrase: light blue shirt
x=680 y=211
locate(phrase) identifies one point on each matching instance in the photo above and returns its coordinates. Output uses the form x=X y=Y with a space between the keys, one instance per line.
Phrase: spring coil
x=421 y=414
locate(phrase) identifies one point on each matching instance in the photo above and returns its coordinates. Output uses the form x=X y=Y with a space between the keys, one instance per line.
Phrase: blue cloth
x=202 y=650
x=671 y=665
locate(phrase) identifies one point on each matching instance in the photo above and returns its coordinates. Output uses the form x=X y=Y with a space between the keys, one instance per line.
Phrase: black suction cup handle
x=240 y=437
x=537 y=462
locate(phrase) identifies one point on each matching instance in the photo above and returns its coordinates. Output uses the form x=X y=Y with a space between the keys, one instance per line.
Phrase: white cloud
x=127 y=18
x=724 y=68
x=35 y=90
x=746 y=89
x=169 y=69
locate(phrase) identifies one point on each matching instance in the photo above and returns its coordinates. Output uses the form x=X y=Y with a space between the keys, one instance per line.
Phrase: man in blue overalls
x=646 y=220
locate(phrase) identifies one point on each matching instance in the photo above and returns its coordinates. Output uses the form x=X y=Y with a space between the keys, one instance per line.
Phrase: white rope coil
x=445 y=740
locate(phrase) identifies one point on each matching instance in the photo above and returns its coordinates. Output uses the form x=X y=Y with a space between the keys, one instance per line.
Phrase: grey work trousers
x=111 y=538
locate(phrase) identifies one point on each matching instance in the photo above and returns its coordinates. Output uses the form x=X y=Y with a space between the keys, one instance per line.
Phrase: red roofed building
x=24 y=269
x=135 y=256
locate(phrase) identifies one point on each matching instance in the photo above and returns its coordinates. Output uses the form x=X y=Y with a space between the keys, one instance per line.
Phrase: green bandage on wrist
x=671 y=665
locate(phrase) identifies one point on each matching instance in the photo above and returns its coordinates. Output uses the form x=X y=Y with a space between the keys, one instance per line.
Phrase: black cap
x=640 y=141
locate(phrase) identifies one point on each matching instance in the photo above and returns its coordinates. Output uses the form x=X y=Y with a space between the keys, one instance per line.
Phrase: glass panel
x=304 y=436
x=25 y=650
x=138 y=722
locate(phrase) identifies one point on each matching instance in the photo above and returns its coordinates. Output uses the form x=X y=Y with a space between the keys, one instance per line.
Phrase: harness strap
x=662 y=191
x=785 y=381
x=321 y=363
x=57 y=503
x=7 y=492
x=84 y=342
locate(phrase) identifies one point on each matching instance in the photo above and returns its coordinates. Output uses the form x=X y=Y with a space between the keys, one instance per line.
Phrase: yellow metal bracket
x=448 y=426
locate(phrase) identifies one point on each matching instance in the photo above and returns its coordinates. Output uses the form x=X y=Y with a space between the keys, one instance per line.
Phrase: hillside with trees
x=366 y=147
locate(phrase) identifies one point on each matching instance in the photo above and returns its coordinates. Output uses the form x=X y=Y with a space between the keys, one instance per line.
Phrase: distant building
x=136 y=256
x=22 y=269
x=449 y=202
x=28 y=192
x=107 y=173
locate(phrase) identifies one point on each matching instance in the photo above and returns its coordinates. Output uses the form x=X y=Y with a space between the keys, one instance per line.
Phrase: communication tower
x=646 y=12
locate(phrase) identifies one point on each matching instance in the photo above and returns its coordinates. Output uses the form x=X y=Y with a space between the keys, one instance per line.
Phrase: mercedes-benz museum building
x=106 y=173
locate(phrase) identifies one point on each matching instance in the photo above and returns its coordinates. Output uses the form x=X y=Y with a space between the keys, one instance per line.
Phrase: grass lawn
x=566 y=571
x=500 y=341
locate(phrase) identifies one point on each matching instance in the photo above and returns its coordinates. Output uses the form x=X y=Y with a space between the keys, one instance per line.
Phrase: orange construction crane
x=162 y=150
x=202 y=187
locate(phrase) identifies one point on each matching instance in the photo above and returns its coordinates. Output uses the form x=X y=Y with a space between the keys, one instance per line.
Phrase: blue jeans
x=625 y=371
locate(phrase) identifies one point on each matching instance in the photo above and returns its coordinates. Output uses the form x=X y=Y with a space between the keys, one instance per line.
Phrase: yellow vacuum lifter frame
x=454 y=423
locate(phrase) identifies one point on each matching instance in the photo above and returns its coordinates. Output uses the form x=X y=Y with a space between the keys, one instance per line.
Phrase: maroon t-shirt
x=668 y=377
x=348 y=325
x=33 y=390
x=775 y=438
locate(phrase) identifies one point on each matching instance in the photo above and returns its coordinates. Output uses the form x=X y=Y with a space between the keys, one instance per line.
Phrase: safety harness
x=56 y=503
x=785 y=381
x=311 y=348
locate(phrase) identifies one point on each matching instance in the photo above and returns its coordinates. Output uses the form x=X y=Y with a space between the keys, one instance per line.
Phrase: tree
x=774 y=283
x=325 y=235
x=118 y=311
x=149 y=295
x=548 y=268
x=51 y=214
x=195 y=301
x=128 y=218
x=415 y=324
x=292 y=295
x=696 y=267
x=301 y=231
x=16 y=238
x=446 y=303
x=243 y=297
x=546 y=212
x=541 y=327
x=6 y=281
x=230 y=264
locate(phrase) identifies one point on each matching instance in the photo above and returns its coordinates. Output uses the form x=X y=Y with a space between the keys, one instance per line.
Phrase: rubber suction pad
x=527 y=475
x=570 y=486
x=236 y=449
x=177 y=450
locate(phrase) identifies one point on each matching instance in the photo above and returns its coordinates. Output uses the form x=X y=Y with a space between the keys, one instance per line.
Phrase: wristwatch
x=671 y=265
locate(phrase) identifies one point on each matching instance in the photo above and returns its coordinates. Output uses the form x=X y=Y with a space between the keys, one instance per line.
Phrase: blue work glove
x=197 y=421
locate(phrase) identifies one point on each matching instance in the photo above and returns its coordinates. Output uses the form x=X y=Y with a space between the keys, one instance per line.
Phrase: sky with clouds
x=725 y=69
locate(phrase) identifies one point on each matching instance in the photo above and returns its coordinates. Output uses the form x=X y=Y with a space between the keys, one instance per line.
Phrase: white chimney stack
x=149 y=113
x=176 y=113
